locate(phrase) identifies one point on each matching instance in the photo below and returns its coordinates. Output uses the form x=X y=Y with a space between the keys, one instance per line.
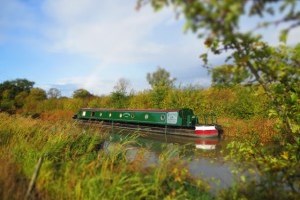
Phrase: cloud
x=110 y=32
x=118 y=40
x=125 y=43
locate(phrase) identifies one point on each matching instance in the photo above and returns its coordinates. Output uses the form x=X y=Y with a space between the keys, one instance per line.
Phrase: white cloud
x=126 y=43
x=109 y=32
x=119 y=41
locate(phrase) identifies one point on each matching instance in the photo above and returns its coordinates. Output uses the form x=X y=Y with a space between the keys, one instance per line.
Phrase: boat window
x=109 y=114
x=146 y=116
x=132 y=115
x=83 y=113
x=120 y=115
x=100 y=114
x=93 y=114
x=162 y=117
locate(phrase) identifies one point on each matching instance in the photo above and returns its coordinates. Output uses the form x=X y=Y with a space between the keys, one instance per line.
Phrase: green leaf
x=243 y=178
x=283 y=35
x=294 y=97
x=204 y=57
x=272 y=113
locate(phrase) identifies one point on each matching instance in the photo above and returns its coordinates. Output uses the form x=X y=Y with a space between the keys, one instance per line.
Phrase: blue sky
x=71 y=44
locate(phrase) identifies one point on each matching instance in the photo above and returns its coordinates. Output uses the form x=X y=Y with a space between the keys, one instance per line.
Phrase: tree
x=218 y=22
x=20 y=99
x=37 y=94
x=161 y=82
x=11 y=93
x=23 y=85
x=53 y=93
x=229 y=75
x=10 y=89
x=122 y=86
x=119 y=96
x=32 y=101
x=160 y=77
x=82 y=94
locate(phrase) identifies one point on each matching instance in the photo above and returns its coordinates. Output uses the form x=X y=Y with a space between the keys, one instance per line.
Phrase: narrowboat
x=183 y=119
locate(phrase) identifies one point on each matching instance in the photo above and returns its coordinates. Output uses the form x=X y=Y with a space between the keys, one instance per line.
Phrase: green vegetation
x=81 y=93
x=256 y=99
x=73 y=161
x=275 y=69
x=77 y=165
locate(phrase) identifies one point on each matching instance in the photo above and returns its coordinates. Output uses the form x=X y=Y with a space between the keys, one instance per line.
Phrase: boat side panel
x=179 y=118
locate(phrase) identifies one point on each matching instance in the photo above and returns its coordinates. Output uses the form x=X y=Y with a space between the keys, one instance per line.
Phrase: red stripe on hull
x=207 y=133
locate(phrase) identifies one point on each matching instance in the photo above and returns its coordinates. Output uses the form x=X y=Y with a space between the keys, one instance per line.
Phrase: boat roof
x=128 y=110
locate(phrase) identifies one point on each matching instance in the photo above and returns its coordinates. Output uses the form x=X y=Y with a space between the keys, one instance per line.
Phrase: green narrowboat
x=183 y=118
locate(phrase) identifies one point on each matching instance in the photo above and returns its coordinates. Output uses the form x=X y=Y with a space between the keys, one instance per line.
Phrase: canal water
x=203 y=157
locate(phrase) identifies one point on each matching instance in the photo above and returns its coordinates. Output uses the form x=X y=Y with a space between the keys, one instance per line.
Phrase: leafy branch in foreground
x=277 y=70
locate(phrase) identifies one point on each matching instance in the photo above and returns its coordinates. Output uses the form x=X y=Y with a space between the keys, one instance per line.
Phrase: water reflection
x=199 y=143
x=207 y=143
x=203 y=160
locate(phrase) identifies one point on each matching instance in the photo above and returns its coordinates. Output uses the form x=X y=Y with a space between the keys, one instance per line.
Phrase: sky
x=91 y=44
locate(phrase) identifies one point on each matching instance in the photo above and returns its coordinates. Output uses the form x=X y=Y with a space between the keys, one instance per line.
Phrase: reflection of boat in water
x=164 y=135
x=206 y=143
x=200 y=143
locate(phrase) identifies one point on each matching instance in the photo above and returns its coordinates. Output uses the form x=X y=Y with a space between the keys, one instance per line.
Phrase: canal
x=204 y=157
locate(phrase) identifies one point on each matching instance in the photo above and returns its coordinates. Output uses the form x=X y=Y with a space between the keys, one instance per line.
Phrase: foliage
x=283 y=77
x=186 y=97
x=10 y=89
x=141 y=100
x=275 y=69
x=13 y=93
x=7 y=105
x=274 y=171
x=161 y=83
x=37 y=94
x=160 y=78
x=80 y=163
x=119 y=100
x=20 y=99
x=122 y=86
x=53 y=93
x=119 y=97
x=82 y=94
x=244 y=106
x=99 y=102
x=228 y=75
x=158 y=95
x=31 y=102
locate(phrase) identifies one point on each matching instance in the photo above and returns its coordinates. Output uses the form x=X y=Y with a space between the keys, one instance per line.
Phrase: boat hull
x=206 y=131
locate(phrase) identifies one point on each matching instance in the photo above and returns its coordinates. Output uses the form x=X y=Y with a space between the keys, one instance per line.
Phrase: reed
x=78 y=164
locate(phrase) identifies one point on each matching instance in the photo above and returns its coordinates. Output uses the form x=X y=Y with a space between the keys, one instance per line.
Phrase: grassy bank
x=260 y=128
x=76 y=166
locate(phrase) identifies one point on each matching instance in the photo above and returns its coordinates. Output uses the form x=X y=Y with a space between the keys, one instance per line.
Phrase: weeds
x=78 y=165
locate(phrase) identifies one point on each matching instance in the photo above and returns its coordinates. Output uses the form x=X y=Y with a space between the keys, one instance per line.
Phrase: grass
x=79 y=163
x=260 y=129
x=76 y=166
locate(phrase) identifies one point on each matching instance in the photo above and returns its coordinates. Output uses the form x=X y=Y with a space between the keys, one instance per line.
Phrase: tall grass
x=77 y=165
x=260 y=130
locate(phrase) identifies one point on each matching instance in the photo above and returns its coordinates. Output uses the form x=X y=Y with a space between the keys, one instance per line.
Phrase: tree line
x=226 y=97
